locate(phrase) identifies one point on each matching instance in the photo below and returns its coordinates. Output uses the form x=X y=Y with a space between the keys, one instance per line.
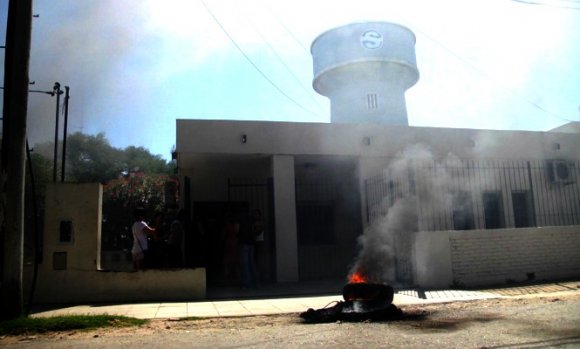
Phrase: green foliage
x=137 y=189
x=92 y=159
x=190 y=318
x=121 y=197
x=29 y=325
x=139 y=158
x=132 y=177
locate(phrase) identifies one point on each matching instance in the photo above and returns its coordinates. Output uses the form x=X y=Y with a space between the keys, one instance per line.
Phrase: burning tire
x=363 y=291
x=362 y=301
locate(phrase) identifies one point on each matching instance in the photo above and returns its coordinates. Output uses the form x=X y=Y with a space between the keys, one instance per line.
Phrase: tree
x=139 y=158
x=92 y=159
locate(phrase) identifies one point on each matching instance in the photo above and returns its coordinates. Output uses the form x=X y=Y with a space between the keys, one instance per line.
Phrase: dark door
x=210 y=219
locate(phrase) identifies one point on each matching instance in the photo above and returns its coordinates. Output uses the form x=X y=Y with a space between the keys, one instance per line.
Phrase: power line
x=275 y=16
x=491 y=78
x=553 y=4
x=254 y=64
x=288 y=69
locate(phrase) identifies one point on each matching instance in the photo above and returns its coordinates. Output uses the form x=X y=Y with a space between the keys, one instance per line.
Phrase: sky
x=135 y=66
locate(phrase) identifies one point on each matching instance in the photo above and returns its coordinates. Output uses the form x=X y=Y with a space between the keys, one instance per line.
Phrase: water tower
x=364 y=69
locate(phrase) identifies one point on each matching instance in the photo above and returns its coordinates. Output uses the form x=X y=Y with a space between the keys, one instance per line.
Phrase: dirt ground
x=523 y=322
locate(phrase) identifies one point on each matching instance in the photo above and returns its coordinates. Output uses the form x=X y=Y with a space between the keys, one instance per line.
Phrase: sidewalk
x=265 y=306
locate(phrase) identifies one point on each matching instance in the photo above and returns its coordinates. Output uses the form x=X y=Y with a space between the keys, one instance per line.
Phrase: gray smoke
x=73 y=44
x=387 y=241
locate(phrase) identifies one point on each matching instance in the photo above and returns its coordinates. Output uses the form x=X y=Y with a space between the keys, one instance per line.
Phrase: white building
x=320 y=186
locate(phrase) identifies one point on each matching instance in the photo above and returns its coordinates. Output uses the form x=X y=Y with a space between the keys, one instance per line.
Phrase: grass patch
x=190 y=318
x=29 y=325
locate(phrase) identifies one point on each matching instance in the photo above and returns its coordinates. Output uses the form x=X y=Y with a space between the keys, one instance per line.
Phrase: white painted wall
x=495 y=257
x=498 y=256
x=210 y=138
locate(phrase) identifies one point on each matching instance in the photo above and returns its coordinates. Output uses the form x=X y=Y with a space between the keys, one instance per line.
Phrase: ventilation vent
x=372 y=101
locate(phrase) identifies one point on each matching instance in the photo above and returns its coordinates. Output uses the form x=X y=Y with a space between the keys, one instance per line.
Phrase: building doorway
x=218 y=253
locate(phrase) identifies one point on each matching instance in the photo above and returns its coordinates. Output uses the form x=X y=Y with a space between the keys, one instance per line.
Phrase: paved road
x=531 y=319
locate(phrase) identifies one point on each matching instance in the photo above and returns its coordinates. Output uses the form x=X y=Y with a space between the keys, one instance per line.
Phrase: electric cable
x=275 y=16
x=238 y=47
x=489 y=77
x=36 y=234
x=544 y=3
x=284 y=64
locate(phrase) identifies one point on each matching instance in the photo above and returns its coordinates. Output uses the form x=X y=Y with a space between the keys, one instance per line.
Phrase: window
x=65 y=232
x=493 y=210
x=463 y=211
x=523 y=213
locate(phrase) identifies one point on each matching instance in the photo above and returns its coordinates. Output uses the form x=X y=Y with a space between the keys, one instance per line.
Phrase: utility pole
x=66 y=97
x=12 y=169
x=58 y=92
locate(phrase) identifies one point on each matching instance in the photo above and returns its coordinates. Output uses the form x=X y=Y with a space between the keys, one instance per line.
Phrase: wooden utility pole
x=12 y=169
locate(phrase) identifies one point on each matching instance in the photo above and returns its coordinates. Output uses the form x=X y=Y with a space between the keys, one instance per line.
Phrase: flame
x=357 y=278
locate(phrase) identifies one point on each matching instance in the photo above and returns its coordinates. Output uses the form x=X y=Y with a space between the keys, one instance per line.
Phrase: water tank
x=364 y=69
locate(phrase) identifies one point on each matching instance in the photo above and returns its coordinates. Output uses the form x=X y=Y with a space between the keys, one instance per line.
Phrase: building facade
x=361 y=192
x=322 y=186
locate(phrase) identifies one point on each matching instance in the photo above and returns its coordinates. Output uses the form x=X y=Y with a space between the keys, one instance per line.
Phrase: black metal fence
x=463 y=194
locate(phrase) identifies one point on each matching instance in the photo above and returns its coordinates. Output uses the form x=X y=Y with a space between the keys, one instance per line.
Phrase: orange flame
x=357 y=278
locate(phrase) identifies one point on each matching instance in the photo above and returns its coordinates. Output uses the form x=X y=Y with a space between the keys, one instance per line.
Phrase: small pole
x=58 y=93
x=66 y=97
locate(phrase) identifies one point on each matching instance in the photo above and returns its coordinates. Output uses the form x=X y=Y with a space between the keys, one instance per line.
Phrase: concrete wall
x=98 y=286
x=492 y=257
x=69 y=272
x=213 y=137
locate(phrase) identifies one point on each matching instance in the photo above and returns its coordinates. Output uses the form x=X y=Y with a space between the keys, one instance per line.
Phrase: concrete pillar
x=285 y=218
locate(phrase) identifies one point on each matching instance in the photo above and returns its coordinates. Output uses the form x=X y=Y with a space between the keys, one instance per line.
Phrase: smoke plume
x=385 y=246
x=80 y=45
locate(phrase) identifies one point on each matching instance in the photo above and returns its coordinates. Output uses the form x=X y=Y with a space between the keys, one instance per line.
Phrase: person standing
x=175 y=240
x=156 y=244
x=247 y=240
x=231 y=250
x=259 y=245
x=141 y=232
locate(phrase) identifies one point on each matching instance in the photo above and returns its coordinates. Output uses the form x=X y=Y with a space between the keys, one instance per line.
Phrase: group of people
x=155 y=245
x=243 y=247
x=158 y=245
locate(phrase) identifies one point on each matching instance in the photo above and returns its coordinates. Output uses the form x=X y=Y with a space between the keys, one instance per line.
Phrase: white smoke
x=387 y=242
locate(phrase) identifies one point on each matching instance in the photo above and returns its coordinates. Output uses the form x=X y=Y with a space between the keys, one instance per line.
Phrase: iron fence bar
x=576 y=193
x=532 y=196
x=543 y=198
x=511 y=187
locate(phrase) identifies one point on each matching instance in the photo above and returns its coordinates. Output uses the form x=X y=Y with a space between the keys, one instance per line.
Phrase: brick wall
x=488 y=257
